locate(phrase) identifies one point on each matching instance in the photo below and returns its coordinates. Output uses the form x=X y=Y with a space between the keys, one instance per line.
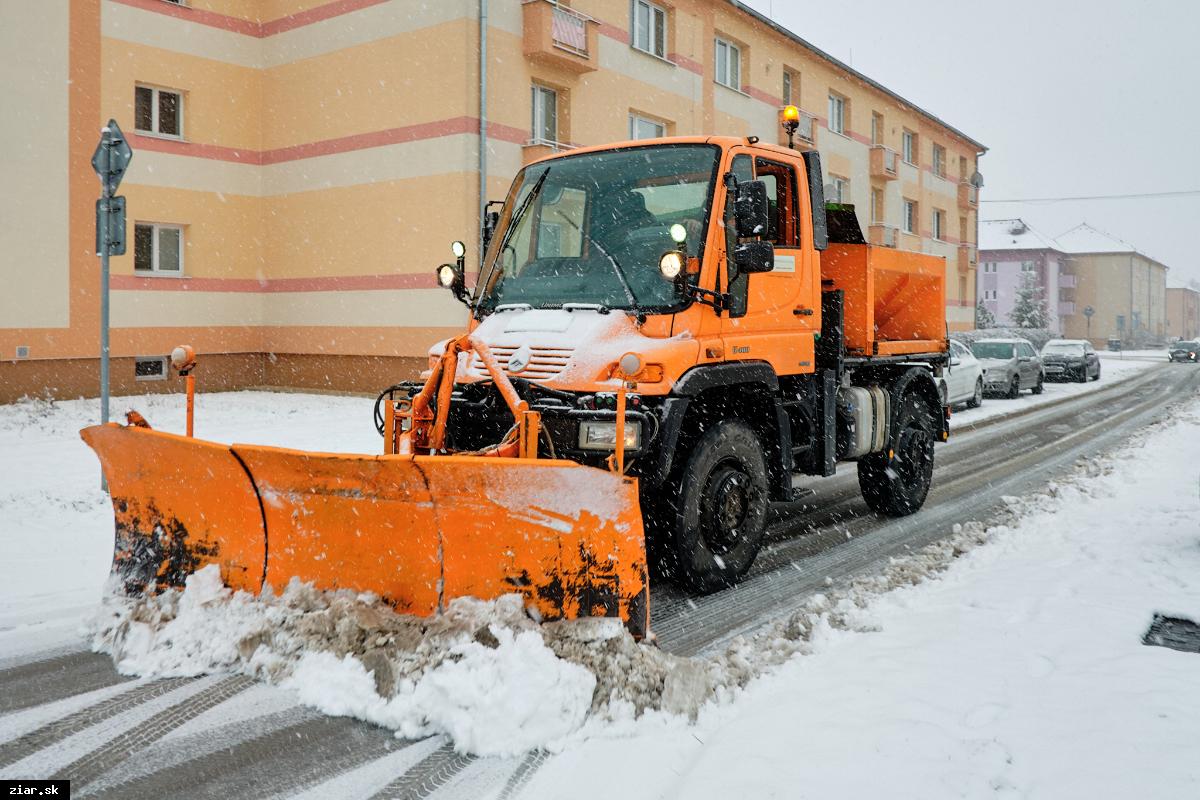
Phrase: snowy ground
x=1114 y=367
x=1019 y=672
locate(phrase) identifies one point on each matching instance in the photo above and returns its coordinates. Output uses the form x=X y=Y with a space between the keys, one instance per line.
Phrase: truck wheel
x=898 y=487
x=722 y=509
x=977 y=399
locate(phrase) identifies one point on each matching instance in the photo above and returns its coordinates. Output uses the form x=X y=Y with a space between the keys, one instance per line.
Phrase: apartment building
x=1183 y=313
x=1083 y=269
x=1012 y=253
x=301 y=166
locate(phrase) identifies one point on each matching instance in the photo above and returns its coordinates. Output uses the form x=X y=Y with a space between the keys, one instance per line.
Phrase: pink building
x=1008 y=250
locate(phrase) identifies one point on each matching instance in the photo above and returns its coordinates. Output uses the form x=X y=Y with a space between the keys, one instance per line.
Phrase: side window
x=1027 y=350
x=783 y=228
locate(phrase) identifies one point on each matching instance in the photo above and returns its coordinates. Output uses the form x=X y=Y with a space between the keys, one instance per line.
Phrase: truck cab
x=758 y=337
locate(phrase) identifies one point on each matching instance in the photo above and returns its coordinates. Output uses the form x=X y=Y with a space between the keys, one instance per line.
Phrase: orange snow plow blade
x=418 y=530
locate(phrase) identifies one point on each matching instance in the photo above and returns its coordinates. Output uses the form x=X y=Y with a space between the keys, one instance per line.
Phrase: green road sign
x=112 y=157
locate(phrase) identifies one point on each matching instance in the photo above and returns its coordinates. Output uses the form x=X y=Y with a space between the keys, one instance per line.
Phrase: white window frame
x=911 y=222
x=939 y=160
x=990 y=294
x=155 y=91
x=732 y=79
x=877 y=126
x=1028 y=266
x=790 y=86
x=657 y=17
x=837 y=113
x=841 y=188
x=939 y=222
x=908 y=147
x=878 y=203
x=155 y=249
x=537 y=122
x=635 y=119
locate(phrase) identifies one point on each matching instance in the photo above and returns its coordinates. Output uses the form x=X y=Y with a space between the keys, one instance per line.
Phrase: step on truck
x=665 y=337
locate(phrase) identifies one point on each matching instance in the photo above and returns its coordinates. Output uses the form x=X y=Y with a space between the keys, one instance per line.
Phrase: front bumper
x=1058 y=369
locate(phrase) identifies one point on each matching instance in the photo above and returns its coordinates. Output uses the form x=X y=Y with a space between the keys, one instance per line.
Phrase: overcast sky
x=1072 y=98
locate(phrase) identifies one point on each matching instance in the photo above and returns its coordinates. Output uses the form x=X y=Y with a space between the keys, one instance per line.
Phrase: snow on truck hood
x=558 y=345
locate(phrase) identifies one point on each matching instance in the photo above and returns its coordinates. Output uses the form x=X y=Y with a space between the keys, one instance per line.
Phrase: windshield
x=1186 y=345
x=998 y=350
x=592 y=228
x=1063 y=349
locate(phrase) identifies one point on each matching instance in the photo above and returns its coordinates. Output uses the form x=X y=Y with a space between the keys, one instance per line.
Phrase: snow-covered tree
x=1029 y=309
x=983 y=317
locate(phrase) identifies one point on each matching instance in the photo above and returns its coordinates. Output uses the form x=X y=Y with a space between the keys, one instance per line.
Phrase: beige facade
x=1183 y=313
x=1127 y=293
x=322 y=155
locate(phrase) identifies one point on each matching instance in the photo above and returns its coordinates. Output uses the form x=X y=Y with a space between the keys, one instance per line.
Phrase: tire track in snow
x=282 y=762
x=430 y=774
x=84 y=770
x=24 y=746
x=35 y=683
x=523 y=774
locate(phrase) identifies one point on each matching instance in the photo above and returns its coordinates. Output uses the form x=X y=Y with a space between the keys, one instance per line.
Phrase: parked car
x=1185 y=351
x=962 y=383
x=1070 y=359
x=1010 y=365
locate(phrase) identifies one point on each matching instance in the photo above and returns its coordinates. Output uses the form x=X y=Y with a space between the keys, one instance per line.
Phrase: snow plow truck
x=665 y=338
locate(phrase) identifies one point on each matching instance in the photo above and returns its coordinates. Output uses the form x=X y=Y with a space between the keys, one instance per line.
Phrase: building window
x=1028 y=266
x=962 y=168
x=939 y=218
x=158 y=248
x=839 y=190
x=150 y=368
x=837 y=113
x=545 y=115
x=939 y=161
x=791 y=88
x=642 y=128
x=158 y=111
x=910 y=216
x=729 y=65
x=989 y=294
x=909 y=147
x=649 y=28
x=989 y=266
x=876 y=205
x=876 y=128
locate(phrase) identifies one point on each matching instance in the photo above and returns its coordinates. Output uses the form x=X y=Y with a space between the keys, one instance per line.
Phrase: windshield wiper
x=517 y=216
x=629 y=295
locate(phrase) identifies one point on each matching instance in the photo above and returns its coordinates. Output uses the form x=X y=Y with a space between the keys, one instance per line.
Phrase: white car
x=962 y=383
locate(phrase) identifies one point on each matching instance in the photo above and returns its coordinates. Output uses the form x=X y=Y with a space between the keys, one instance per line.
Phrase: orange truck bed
x=895 y=301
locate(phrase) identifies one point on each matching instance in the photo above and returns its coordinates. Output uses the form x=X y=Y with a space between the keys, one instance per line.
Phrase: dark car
x=1070 y=360
x=1186 y=352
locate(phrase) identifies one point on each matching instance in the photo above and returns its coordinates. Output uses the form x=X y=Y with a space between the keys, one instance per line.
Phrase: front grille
x=544 y=363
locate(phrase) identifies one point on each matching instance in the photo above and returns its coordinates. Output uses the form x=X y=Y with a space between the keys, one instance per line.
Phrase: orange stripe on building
x=328 y=283
x=246 y=27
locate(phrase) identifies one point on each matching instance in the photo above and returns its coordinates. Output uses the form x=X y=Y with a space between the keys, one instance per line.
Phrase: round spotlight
x=459 y=249
x=630 y=363
x=183 y=357
x=678 y=233
x=671 y=265
x=446 y=275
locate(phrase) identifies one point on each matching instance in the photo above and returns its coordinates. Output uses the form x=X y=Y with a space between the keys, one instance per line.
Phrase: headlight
x=603 y=435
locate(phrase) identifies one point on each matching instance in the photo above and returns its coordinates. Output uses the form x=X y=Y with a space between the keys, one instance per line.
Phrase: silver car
x=1010 y=365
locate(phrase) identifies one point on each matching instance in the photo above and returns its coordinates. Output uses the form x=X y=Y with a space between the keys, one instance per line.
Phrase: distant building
x=1009 y=249
x=1083 y=269
x=1183 y=313
x=1126 y=290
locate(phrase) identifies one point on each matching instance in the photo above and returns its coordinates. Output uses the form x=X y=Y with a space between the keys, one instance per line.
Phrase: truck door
x=783 y=308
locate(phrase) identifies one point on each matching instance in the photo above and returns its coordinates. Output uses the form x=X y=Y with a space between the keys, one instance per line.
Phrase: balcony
x=885 y=163
x=559 y=36
x=882 y=235
x=1066 y=309
x=534 y=149
x=968 y=195
x=966 y=258
x=1066 y=281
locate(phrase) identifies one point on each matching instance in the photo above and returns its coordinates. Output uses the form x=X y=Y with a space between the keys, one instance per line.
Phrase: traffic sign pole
x=110 y=161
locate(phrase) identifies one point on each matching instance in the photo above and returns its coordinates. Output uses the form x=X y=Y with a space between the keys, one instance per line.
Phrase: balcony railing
x=558 y=35
x=883 y=235
x=1066 y=309
x=885 y=162
x=533 y=149
x=968 y=195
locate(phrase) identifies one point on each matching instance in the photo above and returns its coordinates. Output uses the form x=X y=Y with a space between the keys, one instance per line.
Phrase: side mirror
x=750 y=208
x=491 y=220
x=756 y=256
